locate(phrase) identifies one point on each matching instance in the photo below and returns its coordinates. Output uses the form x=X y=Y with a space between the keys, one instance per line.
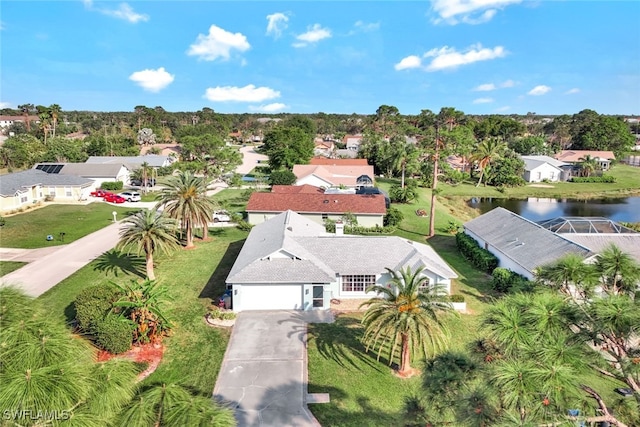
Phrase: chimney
x=339 y=228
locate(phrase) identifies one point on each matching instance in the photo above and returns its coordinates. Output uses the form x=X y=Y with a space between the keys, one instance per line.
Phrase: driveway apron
x=263 y=375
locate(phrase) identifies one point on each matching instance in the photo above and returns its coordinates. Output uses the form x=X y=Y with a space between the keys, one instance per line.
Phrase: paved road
x=264 y=371
x=249 y=159
x=52 y=267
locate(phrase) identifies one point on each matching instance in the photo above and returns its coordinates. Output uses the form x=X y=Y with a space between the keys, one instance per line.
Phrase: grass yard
x=194 y=277
x=627 y=184
x=30 y=229
x=7 y=267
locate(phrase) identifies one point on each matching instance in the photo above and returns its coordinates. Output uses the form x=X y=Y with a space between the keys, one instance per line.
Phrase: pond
x=625 y=209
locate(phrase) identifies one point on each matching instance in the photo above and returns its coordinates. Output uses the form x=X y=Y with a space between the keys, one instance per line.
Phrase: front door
x=318 y=296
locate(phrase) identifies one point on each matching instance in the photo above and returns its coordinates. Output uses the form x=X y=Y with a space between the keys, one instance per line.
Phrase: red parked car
x=114 y=198
x=100 y=193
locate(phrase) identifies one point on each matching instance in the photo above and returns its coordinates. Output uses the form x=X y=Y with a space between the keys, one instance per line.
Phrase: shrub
x=608 y=179
x=504 y=280
x=407 y=194
x=112 y=186
x=114 y=334
x=92 y=305
x=49 y=198
x=481 y=258
x=456 y=298
x=393 y=217
x=452 y=227
x=216 y=313
x=244 y=225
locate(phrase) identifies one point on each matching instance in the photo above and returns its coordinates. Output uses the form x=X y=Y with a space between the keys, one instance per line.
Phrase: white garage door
x=271 y=297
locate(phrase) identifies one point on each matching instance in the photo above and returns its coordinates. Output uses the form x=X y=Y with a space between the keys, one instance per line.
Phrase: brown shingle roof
x=296 y=189
x=317 y=203
x=578 y=155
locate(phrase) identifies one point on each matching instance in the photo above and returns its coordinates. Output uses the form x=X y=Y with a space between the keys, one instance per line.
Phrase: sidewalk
x=53 y=266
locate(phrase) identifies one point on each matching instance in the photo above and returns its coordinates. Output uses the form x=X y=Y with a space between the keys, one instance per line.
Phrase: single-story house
x=312 y=203
x=134 y=162
x=21 y=189
x=290 y=263
x=172 y=151
x=6 y=121
x=352 y=142
x=519 y=244
x=99 y=173
x=575 y=157
x=338 y=162
x=323 y=147
x=540 y=168
x=332 y=175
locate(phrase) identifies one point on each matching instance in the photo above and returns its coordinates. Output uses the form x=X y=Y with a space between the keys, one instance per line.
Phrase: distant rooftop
x=584 y=225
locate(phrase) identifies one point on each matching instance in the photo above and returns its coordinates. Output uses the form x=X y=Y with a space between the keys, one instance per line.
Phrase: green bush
x=216 y=313
x=393 y=217
x=112 y=186
x=456 y=298
x=608 y=179
x=504 y=280
x=114 y=334
x=244 y=225
x=282 y=177
x=92 y=305
x=479 y=257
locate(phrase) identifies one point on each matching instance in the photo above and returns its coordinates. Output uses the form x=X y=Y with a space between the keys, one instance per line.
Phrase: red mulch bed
x=151 y=354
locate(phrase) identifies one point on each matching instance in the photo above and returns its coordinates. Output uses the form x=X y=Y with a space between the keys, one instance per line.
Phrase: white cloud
x=314 y=34
x=508 y=83
x=249 y=93
x=277 y=24
x=366 y=27
x=483 y=100
x=411 y=61
x=503 y=109
x=453 y=12
x=152 y=80
x=539 y=90
x=572 y=91
x=217 y=44
x=269 y=108
x=446 y=57
x=485 y=87
x=124 y=11
x=5 y=104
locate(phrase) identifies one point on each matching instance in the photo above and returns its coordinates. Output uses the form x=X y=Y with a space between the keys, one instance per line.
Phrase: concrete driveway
x=249 y=160
x=264 y=372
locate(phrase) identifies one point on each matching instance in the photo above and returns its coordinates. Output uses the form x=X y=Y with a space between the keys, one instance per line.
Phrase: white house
x=98 y=173
x=519 y=244
x=334 y=175
x=540 y=168
x=290 y=263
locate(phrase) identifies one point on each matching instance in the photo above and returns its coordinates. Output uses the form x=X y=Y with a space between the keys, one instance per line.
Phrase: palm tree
x=406 y=315
x=26 y=110
x=569 y=275
x=588 y=165
x=55 y=112
x=148 y=232
x=402 y=154
x=619 y=271
x=184 y=198
x=487 y=152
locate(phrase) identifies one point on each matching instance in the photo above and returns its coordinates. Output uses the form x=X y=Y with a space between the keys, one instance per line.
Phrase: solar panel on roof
x=40 y=167
x=57 y=168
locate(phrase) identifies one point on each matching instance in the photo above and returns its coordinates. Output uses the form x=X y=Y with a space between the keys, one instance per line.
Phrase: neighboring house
x=457 y=163
x=323 y=147
x=134 y=162
x=333 y=176
x=313 y=204
x=352 y=142
x=99 y=173
x=540 y=168
x=6 y=121
x=338 y=162
x=519 y=244
x=343 y=153
x=24 y=188
x=575 y=157
x=290 y=263
x=172 y=151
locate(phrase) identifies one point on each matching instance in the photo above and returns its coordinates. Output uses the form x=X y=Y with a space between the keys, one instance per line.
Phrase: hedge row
x=604 y=178
x=479 y=257
x=112 y=186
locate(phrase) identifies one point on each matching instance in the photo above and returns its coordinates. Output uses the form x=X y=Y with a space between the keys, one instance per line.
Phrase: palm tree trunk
x=402 y=181
x=481 y=175
x=150 y=273
x=205 y=231
x=189 y=230
x=434 y=187
x=405 y=356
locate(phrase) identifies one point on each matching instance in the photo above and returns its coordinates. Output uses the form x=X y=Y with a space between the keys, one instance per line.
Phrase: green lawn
x=627 y=183
x=7 y=267
x=30 y=229
x=194 y=278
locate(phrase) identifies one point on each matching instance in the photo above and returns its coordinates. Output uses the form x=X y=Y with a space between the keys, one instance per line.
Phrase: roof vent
x=290 y=228
x=325 y=201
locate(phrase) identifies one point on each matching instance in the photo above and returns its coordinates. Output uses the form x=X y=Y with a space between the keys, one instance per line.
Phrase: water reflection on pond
x=625 y=209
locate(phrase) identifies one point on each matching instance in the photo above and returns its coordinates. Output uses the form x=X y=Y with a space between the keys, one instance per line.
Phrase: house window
x=425 y=284
x=318 y=296
x=52 y=191
x=539 y=175
x=67 y=191
x=357 y=283
x=553 y=175
x=325 y=216
x=24 y=198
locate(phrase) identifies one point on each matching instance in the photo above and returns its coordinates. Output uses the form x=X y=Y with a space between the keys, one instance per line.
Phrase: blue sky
x=479 y=56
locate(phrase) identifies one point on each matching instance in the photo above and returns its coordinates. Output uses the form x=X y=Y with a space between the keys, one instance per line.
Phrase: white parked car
x=221 y=216
x=130 y=196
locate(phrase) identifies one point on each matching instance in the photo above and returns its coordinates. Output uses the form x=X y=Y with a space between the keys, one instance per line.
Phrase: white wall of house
x=256 y=218
x=338 y=290
x=281 y=296
x=503 y=260
x=315 y=181
x=542 y=172
x=38 y=193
